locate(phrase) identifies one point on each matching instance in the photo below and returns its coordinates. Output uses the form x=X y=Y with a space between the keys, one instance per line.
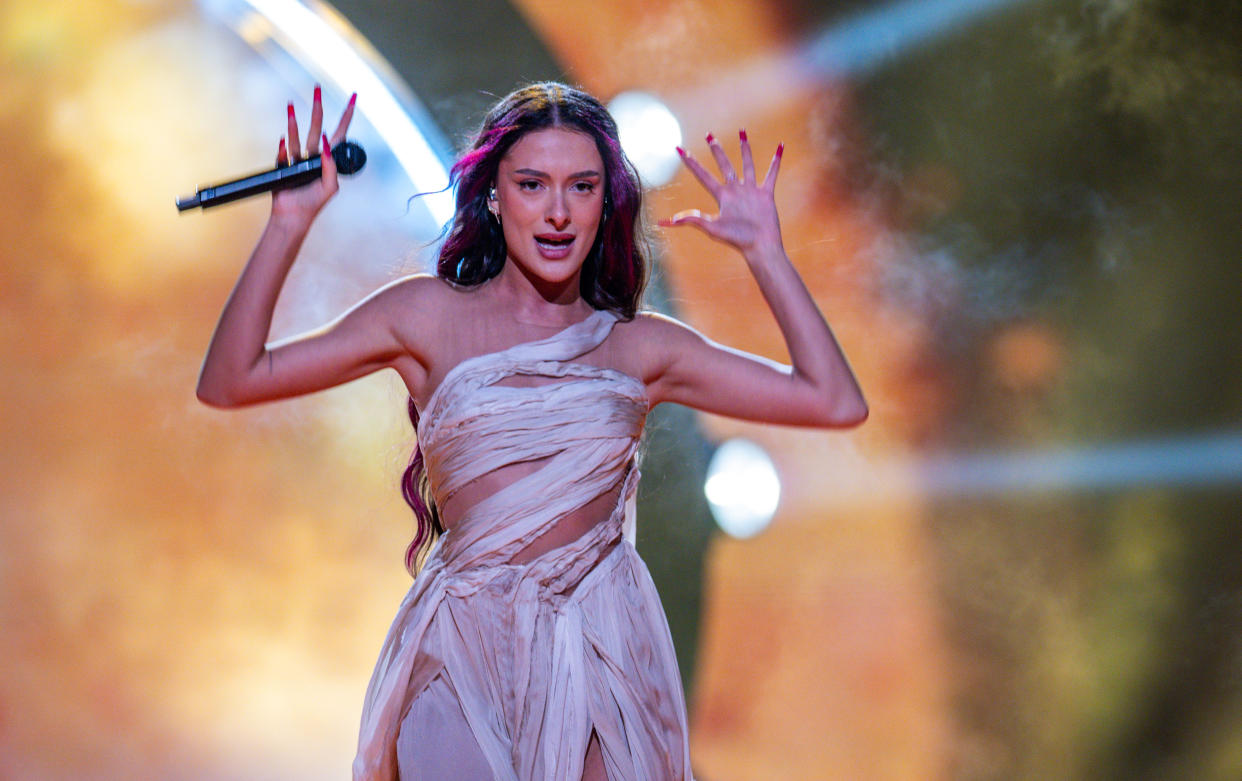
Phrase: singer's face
x=549 y=197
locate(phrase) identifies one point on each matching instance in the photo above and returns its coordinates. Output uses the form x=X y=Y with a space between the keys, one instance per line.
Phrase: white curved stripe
x=1213 y=459
x=312 y=40
x=866 y=39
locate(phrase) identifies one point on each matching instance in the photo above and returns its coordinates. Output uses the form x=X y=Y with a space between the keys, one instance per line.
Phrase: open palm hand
x=747 y=215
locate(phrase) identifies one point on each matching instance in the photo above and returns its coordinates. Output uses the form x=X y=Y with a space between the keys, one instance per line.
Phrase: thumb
x=689 y=217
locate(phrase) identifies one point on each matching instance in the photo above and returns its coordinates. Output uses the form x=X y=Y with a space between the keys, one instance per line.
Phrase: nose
x=558 y=211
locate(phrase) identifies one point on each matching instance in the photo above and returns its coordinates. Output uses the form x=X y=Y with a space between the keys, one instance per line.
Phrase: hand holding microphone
x=300 y=185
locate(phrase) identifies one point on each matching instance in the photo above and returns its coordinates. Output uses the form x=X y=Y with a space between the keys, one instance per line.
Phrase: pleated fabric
x=532 y=656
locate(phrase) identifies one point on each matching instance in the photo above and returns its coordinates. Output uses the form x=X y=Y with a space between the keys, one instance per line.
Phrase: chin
x=551 y=269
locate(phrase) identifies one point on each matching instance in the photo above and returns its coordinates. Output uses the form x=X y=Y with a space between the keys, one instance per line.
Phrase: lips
x=554 y=246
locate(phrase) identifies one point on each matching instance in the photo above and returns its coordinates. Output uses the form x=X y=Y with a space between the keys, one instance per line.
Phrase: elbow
x=851 y=418
x=857 y=416
x=217 y=395
x=214 y=398
x=843 y=414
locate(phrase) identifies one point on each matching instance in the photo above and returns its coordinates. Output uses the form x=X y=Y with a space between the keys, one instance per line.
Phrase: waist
x=552 y=576
x=563 y=531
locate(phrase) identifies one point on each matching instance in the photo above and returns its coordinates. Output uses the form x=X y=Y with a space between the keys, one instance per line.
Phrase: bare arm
x=819 y=389
x=239 y=368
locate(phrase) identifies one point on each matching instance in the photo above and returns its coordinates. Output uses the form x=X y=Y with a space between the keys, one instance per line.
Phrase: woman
x=532 y=643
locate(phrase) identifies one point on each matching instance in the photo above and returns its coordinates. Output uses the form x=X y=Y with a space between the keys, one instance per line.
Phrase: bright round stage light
x=742 y=488
x=650 y=135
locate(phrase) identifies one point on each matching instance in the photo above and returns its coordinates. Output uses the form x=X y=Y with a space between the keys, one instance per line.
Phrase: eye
x=528 y=184
x=584 y=187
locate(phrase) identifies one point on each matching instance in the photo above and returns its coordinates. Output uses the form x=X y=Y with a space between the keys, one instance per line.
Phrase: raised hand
x=307 y=200
x=747 y=217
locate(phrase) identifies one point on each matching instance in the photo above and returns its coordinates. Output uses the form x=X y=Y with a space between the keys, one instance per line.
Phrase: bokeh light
x=742 y=488
x=650 y=135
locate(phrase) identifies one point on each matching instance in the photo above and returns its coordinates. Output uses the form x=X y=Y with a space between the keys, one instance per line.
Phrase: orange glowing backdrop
x=186 y=593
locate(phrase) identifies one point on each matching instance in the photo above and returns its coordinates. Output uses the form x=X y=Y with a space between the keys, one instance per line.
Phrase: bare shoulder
x=421 y=292
x=651 y=343
x=661 y=332
x=656 y=324
x=409 y=308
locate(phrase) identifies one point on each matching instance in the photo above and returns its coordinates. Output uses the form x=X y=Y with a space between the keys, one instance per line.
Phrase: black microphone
x=349 y=159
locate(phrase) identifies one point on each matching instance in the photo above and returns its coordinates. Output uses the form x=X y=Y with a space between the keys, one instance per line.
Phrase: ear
x=493 y=204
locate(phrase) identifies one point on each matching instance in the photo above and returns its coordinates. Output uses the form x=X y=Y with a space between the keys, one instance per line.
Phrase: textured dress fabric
x=513 y=666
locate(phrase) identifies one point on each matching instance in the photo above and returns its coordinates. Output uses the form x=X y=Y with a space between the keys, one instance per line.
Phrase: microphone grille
x=349 y=157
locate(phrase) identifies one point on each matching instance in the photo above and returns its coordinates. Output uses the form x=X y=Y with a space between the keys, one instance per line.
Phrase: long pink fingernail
x=780 y=149
x=353 y=98
x=681 y=151
x=291 y=109
x=318 y=94
x=710 y=138
x=742 y=134
x=326 y=149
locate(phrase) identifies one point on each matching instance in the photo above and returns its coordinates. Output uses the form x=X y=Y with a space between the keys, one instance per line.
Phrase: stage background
x=1021 y=222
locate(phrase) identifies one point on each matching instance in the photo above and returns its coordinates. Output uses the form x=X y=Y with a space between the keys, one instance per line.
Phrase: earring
x=492 y=205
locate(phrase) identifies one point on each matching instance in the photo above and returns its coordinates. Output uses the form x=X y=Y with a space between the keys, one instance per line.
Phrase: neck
x=534 y=300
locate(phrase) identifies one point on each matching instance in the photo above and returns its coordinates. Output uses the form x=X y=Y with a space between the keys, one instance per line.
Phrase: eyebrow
x=576 y=175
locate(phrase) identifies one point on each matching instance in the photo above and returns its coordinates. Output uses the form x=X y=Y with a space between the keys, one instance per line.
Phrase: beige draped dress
x=503 y=668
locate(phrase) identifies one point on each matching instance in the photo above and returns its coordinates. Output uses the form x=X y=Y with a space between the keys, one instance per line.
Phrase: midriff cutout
x=564 y=531
x=456 y=507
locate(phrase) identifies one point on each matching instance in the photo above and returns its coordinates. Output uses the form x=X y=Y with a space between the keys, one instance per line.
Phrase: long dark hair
x=613 y=275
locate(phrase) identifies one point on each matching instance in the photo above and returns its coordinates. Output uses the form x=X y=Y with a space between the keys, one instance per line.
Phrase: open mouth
x=554 y=247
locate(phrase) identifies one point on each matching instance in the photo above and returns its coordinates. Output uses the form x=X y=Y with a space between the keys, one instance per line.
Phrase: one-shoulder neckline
x=461 y=366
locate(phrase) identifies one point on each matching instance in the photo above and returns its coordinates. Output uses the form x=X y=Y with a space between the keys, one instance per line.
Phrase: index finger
x=316 y=121
x=722 y=160
x=295 y=146
x=338 y=135
x=700 y=173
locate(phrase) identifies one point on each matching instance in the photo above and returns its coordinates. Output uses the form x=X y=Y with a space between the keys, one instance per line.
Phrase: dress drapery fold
x=541 y=653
